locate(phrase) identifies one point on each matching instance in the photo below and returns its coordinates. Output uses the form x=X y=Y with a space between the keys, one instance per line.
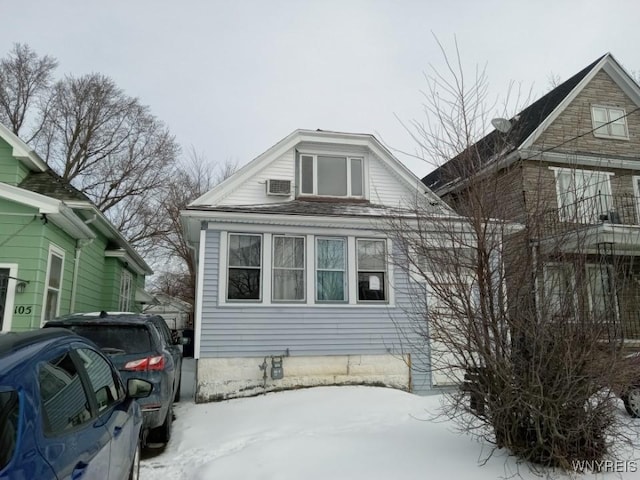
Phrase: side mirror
x=138 y=388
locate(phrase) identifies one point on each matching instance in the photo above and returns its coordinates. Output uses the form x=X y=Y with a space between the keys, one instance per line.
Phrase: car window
x=9 y=409
x=115 y=339
x=103 y=380
x=164 y=331
x=64 y=400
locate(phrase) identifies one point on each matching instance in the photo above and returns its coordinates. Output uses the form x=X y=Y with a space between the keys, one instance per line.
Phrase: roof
x=524 y=124
x=53 y=185
x=315 y=208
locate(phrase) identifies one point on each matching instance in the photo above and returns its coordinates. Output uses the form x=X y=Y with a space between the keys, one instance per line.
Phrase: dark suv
x=140 y=346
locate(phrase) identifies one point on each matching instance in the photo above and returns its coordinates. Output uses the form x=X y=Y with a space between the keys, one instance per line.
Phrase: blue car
x=64 y=410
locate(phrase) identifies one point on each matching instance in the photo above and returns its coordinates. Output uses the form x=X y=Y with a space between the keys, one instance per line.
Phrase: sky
x=232 y=78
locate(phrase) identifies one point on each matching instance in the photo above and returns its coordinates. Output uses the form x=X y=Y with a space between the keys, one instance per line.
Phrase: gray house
x=295 y=286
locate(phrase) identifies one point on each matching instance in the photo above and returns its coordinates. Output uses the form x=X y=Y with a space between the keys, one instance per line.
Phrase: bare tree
x=25 y=78
x=193 y=177
x=538 y=353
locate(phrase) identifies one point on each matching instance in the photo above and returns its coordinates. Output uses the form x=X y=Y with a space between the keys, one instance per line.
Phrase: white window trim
x=304 y=269
x=265 y=280
x=55 y=250
x=124 y=303
x=609 y=119
x=571 y=268
x=385 y=286
x=347 y=278
x=9 y=304
x=348 y=157
x=610 y=273
x=573 y=171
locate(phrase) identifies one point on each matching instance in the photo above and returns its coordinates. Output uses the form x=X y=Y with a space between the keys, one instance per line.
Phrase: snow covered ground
x=328 y=433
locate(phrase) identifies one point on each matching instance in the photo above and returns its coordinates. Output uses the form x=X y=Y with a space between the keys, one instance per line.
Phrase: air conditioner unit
x=279 y=187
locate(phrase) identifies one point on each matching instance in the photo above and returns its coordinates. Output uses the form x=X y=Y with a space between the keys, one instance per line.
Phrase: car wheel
x=162 y=434
x=632 y=402
x=135 y=466
x=176 y=398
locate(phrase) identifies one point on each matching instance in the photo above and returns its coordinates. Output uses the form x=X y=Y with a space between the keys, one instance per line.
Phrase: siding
x=261 y=330
x=12 y=171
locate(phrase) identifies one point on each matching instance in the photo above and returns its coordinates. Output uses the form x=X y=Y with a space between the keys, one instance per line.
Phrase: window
x=583 y=195
x=106 y=387
x=371 y=263
x=331 y=275
x=245 y=262
x=609 y=122
x=601 y=296
x=54 y=283
x=288 y=269
x=9 y=409
x=125 y=291
x=331 y=176
x=64 y=400
x=559 y=289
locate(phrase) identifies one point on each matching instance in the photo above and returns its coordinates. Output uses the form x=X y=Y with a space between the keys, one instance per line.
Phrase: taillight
x=146 y=364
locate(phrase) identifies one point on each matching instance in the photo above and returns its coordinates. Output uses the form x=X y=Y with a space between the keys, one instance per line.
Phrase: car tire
x=162 y=434
x=631 y=400
x=134 y=474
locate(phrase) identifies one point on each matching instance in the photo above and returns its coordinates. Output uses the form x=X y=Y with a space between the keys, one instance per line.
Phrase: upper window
x=331 y=270
x=331 y=176
x=609 y=122
x=245 y=266
x=54 y=283
x=288 y=269
x=125 y=291
x=371 y=270
x=584 y=196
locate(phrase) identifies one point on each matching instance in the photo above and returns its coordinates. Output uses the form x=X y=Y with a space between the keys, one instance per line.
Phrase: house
x=58 y=252
x=568 y=167
x=176 y=312
x=294 y=283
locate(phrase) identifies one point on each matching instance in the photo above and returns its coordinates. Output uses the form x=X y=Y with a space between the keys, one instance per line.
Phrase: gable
x=12 y=171
x=572 y=130
x=385 y=180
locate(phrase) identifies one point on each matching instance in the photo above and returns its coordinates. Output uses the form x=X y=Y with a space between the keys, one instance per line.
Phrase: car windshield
x=116 y=339
x=9 y=408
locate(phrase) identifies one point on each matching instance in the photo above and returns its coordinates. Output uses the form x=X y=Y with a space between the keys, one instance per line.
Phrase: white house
x=294 y=284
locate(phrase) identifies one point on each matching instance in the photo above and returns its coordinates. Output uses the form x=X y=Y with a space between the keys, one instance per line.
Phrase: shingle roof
x=52 y=185
x=313 y=208
x=523 y=125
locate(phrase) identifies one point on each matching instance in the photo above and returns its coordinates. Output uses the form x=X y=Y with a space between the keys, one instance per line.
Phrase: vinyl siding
x=261 y=330
x=12 y=171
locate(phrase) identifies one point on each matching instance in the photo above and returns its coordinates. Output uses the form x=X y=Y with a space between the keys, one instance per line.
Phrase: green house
x=58 y=253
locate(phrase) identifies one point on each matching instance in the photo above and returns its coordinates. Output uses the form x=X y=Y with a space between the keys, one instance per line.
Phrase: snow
x=328 y=432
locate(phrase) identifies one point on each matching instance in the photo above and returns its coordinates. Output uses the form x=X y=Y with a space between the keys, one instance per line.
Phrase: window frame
x=345 y=270
x=385 y=275
x=597 y=129
x=570 y=212
x=303 y=269
x=54 y=250
x=260 y=268
x=349 y=170
x=124 y=303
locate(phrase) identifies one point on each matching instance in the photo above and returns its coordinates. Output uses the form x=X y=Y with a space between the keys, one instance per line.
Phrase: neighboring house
x=570 y=162
x=58 y=252
x=176 y=312
x=294 y=279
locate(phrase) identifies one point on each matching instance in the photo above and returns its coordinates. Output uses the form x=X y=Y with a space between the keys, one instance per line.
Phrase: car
x=140 y=345
x=631 y=394
x=65 y=411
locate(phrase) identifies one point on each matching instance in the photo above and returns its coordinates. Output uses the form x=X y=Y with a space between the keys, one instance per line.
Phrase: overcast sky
x=231 y=78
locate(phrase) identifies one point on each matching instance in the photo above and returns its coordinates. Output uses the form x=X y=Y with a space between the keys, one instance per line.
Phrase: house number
x=22 y=310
